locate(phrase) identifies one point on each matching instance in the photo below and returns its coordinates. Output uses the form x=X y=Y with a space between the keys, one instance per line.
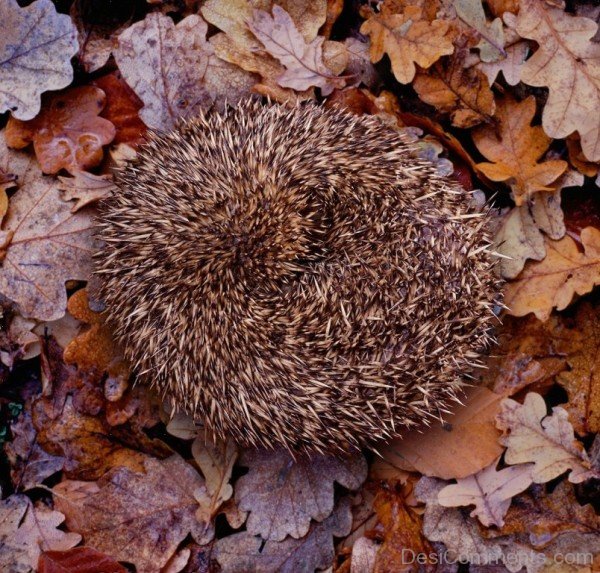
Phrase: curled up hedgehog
x=296 y=277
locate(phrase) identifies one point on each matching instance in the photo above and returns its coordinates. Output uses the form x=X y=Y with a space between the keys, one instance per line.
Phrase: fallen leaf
x=43 y=243
x=78 y=560
x=173 y=69
x=364 y=555
x=491 y=45
x=304 y=65
x=547 y=441
x=516 y=150
x=407 y=39
x=36 y=48
x=140 y=518
x=582 y=379
x=67 y=134
x=359 y=66
x=489 y=490
x=552 y=283
x=27 y=530
x=462 y=92
x=463 y=444
x=243 y=552
x=283 y=495
x=85 y=188
x=568 y=64
x=578 y=159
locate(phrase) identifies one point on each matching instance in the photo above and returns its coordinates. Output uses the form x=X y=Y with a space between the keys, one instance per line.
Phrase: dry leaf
x=489 y=490
x=568 y=64
x=517 y=149
x=173 y=69
x=463 y=444
x=26 y=531
x=85 y=188
x=140 y=518
x=243 y=552
x=78 y=560
x=553 y=282
x=462 y=92
x=407 y=39
x=44 y=244
x=491 y=45
x=67 y=134
x=359 y=66
x=36 y=47
x=304 y=66
x=283 y=495
x=582 y=380
x=547 y=441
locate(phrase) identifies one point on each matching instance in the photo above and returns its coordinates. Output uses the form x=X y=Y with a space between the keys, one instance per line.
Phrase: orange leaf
x=67 y=134
x=78 y=560
x=553 y=282
x=517 y=149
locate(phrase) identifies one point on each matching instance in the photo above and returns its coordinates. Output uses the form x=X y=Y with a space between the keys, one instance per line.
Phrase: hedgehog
x=296 y=277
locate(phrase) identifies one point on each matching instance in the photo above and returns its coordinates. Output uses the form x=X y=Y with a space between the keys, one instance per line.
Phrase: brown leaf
x=568 y=64
x=85 y=188
x=44 y=244
x=304 y=65
x=453 y=89
x=67 y=134
x=78 y=560
x=173 y=69
x=36 y=48
x=243 y=552
x=582 y=380
x=489 y=490
x=283 y=495
x=553 y=282
x=26 y=531
x=516 y=150
x=547 y=441
x=408 y=39
x=463 y=444
x=140 y=518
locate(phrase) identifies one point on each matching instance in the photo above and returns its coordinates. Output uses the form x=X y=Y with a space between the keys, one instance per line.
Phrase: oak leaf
x=173 y=69
x=243 y=552
x=463 y=444
x=552 y=282
x=582 y=379
x=27 y=530
x=567 y=63
x=489 y=490
x=408 y=39
x=36 y=47
x=548 y=441
x=67 y=134
x=78 y=560
x=304 y=65
x=516 y=150
x=463 y=92
x=85 y=188
x=283 y=495
x=44 y=244
x=491 y=45
x=140 y=518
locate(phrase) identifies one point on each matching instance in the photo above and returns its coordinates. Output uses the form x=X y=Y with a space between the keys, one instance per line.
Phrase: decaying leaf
x=462 y=92
x=489 y=490
x=243 y=552
x=491 y=45
x=466 y=442
x=407 y=39
x=516 y=150
x=67 y=134
x=27 y=530
x=568 y=63
x=43 y=243
x=546 y=441
x=78 y=560
x=304 y=66
x=173 y=69
x=552 y=283
x=283 y=495
x=85 y=188
x=36 y=47
x=136 y=517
